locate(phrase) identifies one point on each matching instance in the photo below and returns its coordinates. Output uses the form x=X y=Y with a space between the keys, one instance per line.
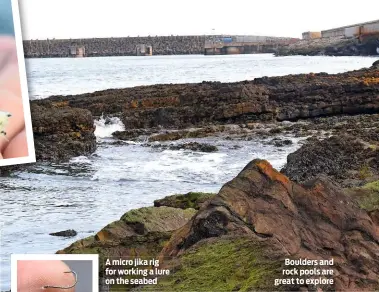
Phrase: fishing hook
x=64 y=287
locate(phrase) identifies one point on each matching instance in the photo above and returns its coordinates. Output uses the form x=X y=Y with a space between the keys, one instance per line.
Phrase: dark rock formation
x=263 y=217
x=189 y=200
x=62 y=132
x=192 y=146
x=344 y=158
x=277 y=142
x=285 y=98
x=130 y=135
x=376 y=64
x=65 y=233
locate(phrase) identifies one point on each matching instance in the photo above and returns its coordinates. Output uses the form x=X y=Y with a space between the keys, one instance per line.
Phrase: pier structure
x=144 y=50
x=229 y=45
x=77 y=51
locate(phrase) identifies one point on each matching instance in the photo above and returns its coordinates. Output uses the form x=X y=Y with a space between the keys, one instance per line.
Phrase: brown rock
x=316 y=220
x=284 y=98
x=62 y=132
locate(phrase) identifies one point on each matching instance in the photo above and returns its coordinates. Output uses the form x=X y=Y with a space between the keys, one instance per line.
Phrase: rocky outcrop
x=61 y=132
x=65 y=233
x=287 y=98
x=239 y=239
x=140 y=232
x=190 y=200
x=130 y=135
x=346 y=159
x=192 y=146
x=260 y=218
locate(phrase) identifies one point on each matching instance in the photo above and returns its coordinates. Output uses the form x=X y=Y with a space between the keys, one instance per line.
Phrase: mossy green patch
x=371 y=200
x=374 y=186
x=184 y=201
x=222 y=265
x=158 y=219
x=367 y=196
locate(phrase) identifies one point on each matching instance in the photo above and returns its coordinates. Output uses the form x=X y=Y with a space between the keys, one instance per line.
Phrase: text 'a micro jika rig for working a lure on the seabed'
x=4 y=119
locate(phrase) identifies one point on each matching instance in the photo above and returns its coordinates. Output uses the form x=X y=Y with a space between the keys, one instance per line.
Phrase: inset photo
x=16 y=133
x=71 y=273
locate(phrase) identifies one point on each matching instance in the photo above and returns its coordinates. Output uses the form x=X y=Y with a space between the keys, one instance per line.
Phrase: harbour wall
x=162 y=45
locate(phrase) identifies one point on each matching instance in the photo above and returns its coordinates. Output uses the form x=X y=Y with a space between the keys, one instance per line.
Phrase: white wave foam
x=80 y=159
x=106 y=126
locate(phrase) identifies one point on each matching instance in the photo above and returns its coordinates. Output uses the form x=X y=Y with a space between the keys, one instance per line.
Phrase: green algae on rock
x=183 y=201
x=140 y=232
x=227 y=264
x=367 y=196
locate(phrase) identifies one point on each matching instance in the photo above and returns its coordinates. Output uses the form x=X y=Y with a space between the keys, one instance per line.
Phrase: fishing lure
x=4 y=117
x=63 y=287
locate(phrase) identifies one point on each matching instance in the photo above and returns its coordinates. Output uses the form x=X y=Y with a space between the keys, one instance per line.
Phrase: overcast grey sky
x=43 y=19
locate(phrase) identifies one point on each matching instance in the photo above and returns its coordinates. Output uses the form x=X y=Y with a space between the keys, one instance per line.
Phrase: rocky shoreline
x=198 y=236
x=303 y=104
x=323 y=204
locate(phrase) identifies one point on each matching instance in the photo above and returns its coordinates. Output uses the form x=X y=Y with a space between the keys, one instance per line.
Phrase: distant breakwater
x=162 y=45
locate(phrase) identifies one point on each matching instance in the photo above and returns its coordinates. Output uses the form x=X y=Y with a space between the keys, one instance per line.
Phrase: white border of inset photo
x=62 y=257
x=24 y=90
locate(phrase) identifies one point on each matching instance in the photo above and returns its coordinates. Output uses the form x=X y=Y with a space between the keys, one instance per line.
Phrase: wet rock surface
x=130 y=135
x=287 y=98
x=192 y=146
x=65 y=233
x=190 y=200
x=62 y=132
x=346 y=159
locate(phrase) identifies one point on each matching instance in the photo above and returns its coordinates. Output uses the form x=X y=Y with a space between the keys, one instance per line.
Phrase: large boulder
x=62 y=132
x=240 y=239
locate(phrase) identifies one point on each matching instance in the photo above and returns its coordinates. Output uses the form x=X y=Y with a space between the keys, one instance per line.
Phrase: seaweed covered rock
x=344 y=158
x=239 y=240
x=139 y=232
x=62 y=132
x=190 y=200
x=367 y=196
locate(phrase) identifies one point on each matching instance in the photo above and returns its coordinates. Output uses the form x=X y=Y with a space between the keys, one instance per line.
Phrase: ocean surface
x=87 y=193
